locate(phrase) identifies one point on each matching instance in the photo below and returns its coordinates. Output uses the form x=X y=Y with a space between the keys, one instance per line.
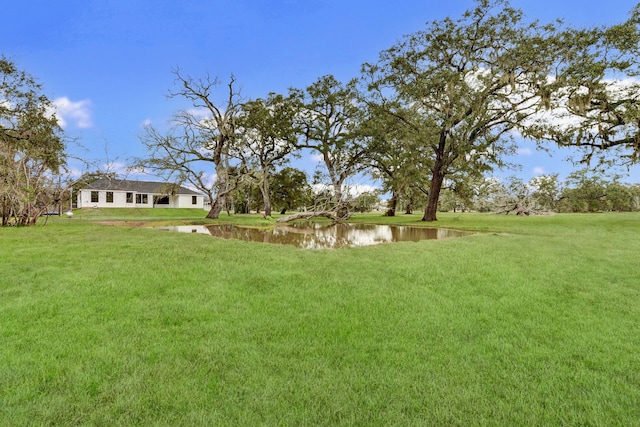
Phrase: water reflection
x=318 y=235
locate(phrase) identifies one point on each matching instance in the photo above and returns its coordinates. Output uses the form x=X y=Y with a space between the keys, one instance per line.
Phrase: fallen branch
x=309 y=215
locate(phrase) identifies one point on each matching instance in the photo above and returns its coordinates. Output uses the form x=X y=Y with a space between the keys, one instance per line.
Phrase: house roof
x=138 y=186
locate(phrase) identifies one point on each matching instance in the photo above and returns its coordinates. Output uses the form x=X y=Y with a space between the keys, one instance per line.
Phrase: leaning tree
x=200 y=137
x=461 y=86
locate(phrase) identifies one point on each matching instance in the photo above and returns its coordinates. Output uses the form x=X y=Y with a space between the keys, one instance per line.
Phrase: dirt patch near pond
x=126 y=223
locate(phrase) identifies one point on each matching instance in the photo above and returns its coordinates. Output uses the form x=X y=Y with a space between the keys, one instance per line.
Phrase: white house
x=117 y=193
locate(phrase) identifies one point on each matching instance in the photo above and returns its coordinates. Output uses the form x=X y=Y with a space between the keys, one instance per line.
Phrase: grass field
x=531 y=321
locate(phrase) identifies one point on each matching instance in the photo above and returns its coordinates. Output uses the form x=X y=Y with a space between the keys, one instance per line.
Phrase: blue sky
x=107 y=63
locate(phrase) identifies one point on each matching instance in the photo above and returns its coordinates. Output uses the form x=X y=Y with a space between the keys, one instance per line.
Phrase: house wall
x=138 y=200
x=186 y=201
x=119 y=200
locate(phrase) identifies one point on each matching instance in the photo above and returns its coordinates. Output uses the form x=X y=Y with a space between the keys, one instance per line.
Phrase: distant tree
x=487 y=193
x=619 y=197
x=366 y=201
x=246 y=196
x=585 y=191
x=328 y=122
x=31 y=148
x=448 y=201
x=455 y=197
x=635 y=197
x=200 y=137
x=268 y=139
x=412 y=198
x=461 y=86
x=546 y=192
x=539 y=195
x=290 y=190
x=393 y=156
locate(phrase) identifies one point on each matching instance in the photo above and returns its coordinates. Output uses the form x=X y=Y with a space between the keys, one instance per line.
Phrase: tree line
x=581 y=191
x=435 y=113
x=442 y=106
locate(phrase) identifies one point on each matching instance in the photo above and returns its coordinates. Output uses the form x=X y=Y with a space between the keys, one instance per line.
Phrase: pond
x=319 y=235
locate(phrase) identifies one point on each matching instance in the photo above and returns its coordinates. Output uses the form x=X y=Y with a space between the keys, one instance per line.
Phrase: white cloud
x=199 y=113
x=210 y=179
x=317 y=158
x=76 y=113
x=319 y=188
x=119 y=168
x=75 y=172
x=205 y=151
x=355 y=190
x=524 y=151
x=146 y=123
x=538 y=170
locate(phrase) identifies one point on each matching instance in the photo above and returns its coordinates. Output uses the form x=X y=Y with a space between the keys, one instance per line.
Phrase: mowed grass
x=532 y=321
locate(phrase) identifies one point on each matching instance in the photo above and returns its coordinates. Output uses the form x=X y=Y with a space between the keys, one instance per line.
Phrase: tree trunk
x=393 y=204
x=5 y=212
x=437 y=178
x=342 y=210
x=434 y=193
x=266 y=196
x=247 y=203
x=409 y=208
x=222 y=194
x=216 y=208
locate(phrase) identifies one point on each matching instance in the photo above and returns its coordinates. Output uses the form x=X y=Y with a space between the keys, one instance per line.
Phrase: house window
x=142 y=198
x=129 y=197
x=160 y=200
x=194 y=200
x=94 y=197
x=109 y=196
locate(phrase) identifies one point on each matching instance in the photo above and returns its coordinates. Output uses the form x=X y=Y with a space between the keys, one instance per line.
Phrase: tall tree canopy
x=593 y=98
x=460 y=86
x=31 y=147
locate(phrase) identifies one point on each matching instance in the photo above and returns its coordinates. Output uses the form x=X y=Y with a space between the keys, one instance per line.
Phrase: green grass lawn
x=531 y=321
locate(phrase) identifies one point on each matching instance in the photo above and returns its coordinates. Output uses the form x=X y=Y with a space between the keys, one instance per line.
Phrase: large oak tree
x=460 y=86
